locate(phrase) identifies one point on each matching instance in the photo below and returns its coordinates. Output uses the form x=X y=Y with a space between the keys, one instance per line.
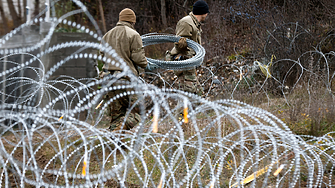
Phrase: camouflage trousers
x=187 y=81
x=118 y=110
x=124 y=115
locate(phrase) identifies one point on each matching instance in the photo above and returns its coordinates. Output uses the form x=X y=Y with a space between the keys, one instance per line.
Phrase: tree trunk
x=25 y=11
x=4 y=19
x=12 y=11
x=163 y=13
x=37 y=8
x=102 y=17
x=19 y=8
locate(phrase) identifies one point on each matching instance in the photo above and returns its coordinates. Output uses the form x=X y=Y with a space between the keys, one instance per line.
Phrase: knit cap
x=200 y=7
x=127 y=15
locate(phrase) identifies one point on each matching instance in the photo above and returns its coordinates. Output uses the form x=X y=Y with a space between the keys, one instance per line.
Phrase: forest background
x=236 y=32
x=232 y=25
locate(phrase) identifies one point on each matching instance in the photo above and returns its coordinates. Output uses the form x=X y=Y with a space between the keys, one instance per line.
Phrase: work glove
x=181 y=46
x=97 y=70
x=151 y=67
x=180 y=57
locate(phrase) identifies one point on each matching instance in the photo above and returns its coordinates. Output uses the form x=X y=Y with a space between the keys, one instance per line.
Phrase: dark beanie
x=200 y=7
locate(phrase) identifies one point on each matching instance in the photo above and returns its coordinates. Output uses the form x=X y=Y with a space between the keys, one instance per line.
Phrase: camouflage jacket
x=127 y=43
x=188 y=27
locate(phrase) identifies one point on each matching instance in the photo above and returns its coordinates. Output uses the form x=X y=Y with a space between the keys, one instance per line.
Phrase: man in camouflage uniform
x=127 y=43
x=189 y=27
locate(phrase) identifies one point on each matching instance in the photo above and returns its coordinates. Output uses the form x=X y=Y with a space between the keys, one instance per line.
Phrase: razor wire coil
x=152 y=39
x=225 y=143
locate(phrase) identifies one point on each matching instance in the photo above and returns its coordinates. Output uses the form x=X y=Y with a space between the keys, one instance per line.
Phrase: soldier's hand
x=181 y=45
x=150 y=67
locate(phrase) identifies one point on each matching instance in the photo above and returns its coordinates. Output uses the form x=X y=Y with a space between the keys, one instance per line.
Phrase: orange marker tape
x=161 y=181
x=60 y=118
x=185 y=114
x=278 y=170
x=99 y=104
x=84 y=168
x=155 y=124
x=155 y=119
x=160 y=184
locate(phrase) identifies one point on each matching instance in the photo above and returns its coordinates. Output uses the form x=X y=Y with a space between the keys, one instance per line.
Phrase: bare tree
x=13 y=13
x=24 y=12
x=163 y=13
x=37 y=7
x=19 y=8
x=4 y=19
x=102 y=17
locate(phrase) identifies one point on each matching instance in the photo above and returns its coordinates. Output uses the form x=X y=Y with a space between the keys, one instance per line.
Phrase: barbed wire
x=183 y=140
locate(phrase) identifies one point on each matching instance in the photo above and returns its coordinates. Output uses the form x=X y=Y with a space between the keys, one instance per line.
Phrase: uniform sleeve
x=103 y=42
x=184 y=29
x=137 y=52
x=100 y=52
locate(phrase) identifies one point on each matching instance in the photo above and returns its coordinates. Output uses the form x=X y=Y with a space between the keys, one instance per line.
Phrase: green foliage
x=240 y=55
x=100 y=65
x=232 y=57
